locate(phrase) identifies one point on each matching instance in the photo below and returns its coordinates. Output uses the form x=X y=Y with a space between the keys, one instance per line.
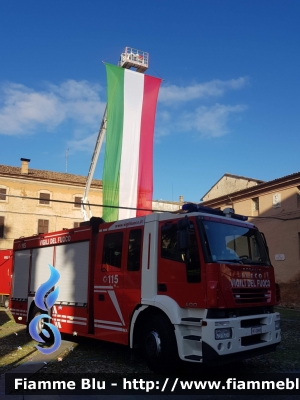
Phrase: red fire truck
x=6 y=258
x=196 y=285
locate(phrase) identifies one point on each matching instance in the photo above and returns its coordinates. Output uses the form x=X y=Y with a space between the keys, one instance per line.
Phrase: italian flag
x=128 y=163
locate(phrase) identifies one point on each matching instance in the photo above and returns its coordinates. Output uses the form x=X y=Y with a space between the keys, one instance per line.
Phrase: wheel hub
x=40 y=325
x=153 y=344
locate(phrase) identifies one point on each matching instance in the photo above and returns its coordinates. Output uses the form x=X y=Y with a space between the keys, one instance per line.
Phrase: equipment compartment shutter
x=21 y=274
x=72 y=262
x=40 y=271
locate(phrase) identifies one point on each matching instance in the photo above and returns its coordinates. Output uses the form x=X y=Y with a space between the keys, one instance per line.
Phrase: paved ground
x=40 y=360
x=287 y=357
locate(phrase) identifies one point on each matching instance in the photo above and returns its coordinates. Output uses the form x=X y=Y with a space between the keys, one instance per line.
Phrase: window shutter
x=2 y=194
x=43 y=226
x=44 y=198
x=77 y=202
x=1 y=227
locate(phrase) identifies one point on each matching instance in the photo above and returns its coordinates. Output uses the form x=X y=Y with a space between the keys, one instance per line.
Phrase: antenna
x=67 y=152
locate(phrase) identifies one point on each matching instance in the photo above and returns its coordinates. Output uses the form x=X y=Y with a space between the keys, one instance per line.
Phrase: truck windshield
x=224 y=242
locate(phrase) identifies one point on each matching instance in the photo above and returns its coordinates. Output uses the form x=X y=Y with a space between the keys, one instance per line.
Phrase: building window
x=76 y=225
x=255 y=203
x=276 y=200
x=44 y=198
x=3 y=193
x=43 y=226
x=1 y=227
x=77 y=202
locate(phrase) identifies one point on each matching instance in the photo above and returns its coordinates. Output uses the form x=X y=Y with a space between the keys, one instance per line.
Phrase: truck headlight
x=277 y=325
x=223 y=333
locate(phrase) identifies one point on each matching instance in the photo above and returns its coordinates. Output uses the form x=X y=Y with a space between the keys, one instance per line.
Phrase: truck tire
x=41 y=325
x=159 y=345
x=6 y=302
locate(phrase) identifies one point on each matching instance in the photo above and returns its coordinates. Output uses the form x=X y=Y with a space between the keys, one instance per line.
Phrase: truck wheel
x=159 y=345
x=49 y=338
x=6 y=302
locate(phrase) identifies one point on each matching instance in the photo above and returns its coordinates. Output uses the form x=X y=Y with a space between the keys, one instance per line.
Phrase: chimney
x=180 y=199
x=24 y=166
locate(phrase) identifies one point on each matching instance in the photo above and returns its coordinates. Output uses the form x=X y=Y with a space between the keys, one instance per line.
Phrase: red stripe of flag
x=145 y=177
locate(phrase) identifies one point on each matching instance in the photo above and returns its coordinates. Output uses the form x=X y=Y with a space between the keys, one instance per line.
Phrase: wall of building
x=22 y=214
x=171 y=206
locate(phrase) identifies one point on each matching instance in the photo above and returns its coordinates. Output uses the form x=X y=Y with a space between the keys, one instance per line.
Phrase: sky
x=229 y=100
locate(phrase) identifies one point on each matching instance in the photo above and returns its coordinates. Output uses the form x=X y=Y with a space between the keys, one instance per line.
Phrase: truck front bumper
x=244 y=337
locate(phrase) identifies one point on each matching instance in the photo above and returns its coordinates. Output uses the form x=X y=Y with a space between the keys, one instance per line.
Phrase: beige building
x=35 y=201
x=229 y=184
x=274 y=207
x=167 y=206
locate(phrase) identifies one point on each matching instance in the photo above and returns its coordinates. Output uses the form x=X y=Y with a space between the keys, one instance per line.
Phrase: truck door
x=109 y=323
x=179 y=274
x=132 y=272
x=118 y=283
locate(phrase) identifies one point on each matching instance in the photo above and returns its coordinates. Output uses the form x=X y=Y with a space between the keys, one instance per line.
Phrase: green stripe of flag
x=114 y=131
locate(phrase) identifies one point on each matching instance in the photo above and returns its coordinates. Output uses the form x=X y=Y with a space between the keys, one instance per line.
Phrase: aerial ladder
x=130 y=58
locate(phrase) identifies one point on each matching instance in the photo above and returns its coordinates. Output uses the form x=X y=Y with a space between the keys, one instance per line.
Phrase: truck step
x=193 y=357
x=191 y=321
x=192 y=337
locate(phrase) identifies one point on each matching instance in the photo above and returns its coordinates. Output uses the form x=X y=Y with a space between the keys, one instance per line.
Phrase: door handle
x=162 y=287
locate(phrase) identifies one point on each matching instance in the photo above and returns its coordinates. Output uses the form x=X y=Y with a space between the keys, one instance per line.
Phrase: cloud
x=204 y=121
x=81 y=100
x=194 y=114
x=86 y=144
x=24 y=110
x=215 y=88
x=77 y=108
x=210 y=121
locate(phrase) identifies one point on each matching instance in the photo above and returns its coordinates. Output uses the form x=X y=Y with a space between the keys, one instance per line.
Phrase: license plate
x=257 y=330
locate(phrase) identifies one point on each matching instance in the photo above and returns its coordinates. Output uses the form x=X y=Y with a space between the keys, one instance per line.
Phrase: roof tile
x=50 y=176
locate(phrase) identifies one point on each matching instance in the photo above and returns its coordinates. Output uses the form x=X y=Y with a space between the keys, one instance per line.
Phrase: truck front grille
x=245 y=296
